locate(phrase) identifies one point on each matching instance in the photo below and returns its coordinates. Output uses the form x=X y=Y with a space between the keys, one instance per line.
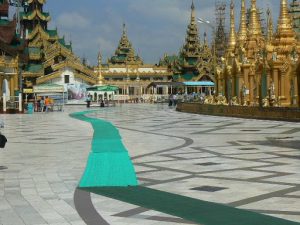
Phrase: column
x=282 y=83
x=251 y=85
x=20 y=102
x=276 y=81
x=297 y=90
x=16 y=82
x=4 y=103
x=1 y=85
x=11 y=86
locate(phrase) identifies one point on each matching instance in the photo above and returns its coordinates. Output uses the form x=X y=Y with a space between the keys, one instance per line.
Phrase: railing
x=11 y=104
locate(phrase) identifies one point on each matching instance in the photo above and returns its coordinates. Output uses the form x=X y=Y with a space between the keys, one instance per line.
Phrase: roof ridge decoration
x=125 y=53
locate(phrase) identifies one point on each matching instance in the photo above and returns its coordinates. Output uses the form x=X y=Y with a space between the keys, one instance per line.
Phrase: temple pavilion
x=11 y=56
x=51 y=59
x=126 y=70
x=194 y=64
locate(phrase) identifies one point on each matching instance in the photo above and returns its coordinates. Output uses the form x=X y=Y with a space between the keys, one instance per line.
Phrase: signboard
x=48 y=88
x=28 y=91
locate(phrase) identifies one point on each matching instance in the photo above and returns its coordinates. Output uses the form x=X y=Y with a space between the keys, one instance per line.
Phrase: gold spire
x=243 y=23
x=193 y=13
x=285 y=38
x=284 y=22
x=232 y=35
x=254 y=25
x=100 y=78
x=270 y=26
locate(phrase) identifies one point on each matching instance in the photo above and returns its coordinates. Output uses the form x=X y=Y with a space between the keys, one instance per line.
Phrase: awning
x=199 y=83
x=168 y=84
x=104 y=88
x=49 y=88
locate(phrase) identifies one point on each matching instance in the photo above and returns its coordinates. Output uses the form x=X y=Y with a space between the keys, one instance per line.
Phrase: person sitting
x=102 y=104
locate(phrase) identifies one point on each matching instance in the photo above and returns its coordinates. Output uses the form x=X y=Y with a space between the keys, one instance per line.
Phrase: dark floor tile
x=209 y=188
x=3 y=168
x=248 y=149
x=208 y=164
x=250 y=130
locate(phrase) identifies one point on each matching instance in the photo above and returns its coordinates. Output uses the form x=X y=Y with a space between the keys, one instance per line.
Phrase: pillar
x=16 y=82
x=4 y=103
x=12 y=86
x=1 y=84
x=20 y=102
x=282 y=84
x=276 y=81
x=251 y=89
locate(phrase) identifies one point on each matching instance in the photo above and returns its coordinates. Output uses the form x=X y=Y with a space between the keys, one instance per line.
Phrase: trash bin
x=30 y=108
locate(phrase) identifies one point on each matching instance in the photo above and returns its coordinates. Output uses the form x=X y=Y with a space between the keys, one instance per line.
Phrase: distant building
x=11 y=47
x=195 y=61
x=128 y=71
x=51 y=59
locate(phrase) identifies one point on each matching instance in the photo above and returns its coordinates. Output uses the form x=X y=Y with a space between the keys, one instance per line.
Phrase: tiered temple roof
x=48 y=53
x=285 y=37
x=195 y=59
x=125 y=53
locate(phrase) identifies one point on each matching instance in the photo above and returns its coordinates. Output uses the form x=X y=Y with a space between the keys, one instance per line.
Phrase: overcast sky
x=154 y=26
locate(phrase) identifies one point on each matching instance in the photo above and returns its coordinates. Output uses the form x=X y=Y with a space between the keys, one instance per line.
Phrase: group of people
x=89 y=100
x=44 y=104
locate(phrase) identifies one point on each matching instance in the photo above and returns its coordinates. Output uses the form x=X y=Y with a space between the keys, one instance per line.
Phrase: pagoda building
x=295 y=13
x=262 y=70
x=195 y=60
x=125 y=53
x=11 y=57
x=127 y=70
x=51 y=59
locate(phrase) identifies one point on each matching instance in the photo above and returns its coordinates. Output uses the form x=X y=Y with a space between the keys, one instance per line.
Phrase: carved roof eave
x=57 y=49
x=45 y=36
x=36 y=13
x=57 y=74
x=212 y=78
x=105 y=73
x=30 y=74
x=40 y=1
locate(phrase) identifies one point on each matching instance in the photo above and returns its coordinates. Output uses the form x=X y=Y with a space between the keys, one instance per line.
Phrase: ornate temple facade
x=295 y=13
x=11 y=53
x=128 y=71
x=195 y=61
x=51 y=59
x=257 y=69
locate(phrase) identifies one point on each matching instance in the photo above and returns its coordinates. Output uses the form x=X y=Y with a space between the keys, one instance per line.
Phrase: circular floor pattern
x=3 y=168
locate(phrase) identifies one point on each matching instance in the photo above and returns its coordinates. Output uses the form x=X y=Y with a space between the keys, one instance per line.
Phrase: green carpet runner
x=109 y=172
x=109 y=163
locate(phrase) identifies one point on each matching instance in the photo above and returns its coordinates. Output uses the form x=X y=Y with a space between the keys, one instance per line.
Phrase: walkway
x=243 y=163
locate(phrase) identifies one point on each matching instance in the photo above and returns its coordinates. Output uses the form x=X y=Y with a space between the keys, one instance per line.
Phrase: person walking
x=88 y=101
x=47 y=104
x=42 y=104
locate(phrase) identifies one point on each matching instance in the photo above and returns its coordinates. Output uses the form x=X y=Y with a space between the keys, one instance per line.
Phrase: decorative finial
x=254 y=25
x=270 y=25
x=232 y=35
x=193 y=6
x=124 y=28
x=243 y=23
x=193 y=14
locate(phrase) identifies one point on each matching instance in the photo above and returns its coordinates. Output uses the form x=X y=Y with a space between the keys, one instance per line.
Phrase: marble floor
x=249 y=164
